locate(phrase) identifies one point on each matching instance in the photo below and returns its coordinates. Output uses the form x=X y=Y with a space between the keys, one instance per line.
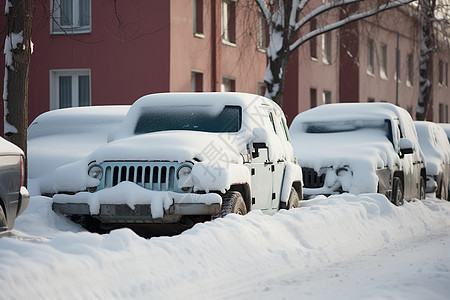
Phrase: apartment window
x=198 y=17
x=370 y=99
x=326 y=97
x=441 y=113
x=441 y=71
x=326 y=48
x=312 y=97
x=71 y=16
x=228 y=85
x=196 y=82
x=261 y=42
x=397 y=64
x=409 y=70
x=370 y=57
x=70 y=88
x=383 y=62
x=261 y=88
x=229 y=21
x=446 y=74
x=313 y=41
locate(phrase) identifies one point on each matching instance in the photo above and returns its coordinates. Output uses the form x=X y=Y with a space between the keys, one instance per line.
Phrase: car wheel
x=232 y=203
x=397 y=192
x=3 y=223
x=293 y=201
x=442 y=190
x=422 y=194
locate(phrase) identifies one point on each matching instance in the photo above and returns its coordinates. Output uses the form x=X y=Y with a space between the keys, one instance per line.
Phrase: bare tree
x=287 y=18
x=434 y=18
x=18 y=49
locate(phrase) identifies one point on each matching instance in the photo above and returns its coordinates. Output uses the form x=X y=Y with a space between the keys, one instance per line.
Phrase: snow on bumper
x=128 y=202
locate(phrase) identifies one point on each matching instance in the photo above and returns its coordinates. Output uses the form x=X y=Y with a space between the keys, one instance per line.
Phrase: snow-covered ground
x=341 y=247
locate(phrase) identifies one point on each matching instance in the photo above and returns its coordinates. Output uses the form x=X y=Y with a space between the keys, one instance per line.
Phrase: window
x=409 y=70
x=383 y=62
x=228 y=85
x=71 y=16
x=261 y=88
x=229 y=21
x=196 y=82
x=313 y=41
x=370 y=99
x=370 y=57
x=312 y=97
x=261 y=42
x=397 y=64
x=198 y=17
x=70 y=88
x=441 y=71
x=326 y=97
x=446 y=74
x=326 y=47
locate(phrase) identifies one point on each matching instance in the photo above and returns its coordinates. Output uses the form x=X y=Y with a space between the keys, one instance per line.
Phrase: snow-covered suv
x=359 y=148
x=181 y=156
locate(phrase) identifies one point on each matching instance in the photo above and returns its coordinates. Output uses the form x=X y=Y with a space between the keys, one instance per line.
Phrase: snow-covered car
x=446 y=128
x=14 y=196
x=183 y=157
x=436 y=148
x=359 y=148
x=63 y=136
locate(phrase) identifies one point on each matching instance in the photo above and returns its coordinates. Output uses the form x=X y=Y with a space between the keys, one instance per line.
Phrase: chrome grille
x=311 y=179
x=155 y=176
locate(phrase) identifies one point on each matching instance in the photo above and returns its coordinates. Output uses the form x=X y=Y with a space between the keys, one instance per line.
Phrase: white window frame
x=54 y=86
x=261 y=38
x=326 y=97
x=326 y=47
x=226 y=34
x=74 y=28
x=226 y=86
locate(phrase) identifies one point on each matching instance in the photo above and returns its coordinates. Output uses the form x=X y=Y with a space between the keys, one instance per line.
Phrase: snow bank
x=211 y=260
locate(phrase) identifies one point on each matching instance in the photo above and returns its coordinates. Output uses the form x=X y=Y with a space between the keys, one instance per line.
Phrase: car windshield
x=348 y=126
x=194 y=118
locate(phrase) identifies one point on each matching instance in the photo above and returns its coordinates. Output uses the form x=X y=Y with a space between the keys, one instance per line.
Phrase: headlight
x=343 y=170
x=183 y=177
x=183 y=171
x=95 y=171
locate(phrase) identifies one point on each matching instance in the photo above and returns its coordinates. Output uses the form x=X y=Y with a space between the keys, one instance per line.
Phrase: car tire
x=442 y=190
x=232 y=203
x=422 y=194
x=397 y=192
x=293 y=201
x=3 y=223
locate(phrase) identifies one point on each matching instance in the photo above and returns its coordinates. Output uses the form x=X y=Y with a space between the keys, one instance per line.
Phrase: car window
x=193 y=118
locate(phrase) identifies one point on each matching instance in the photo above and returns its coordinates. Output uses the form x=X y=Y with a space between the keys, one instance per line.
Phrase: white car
x=359 y=148
x=14 y=196
x=436 y=148
x=183 y=157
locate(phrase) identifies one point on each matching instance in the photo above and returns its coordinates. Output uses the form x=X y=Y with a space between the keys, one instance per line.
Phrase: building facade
x=113 y=52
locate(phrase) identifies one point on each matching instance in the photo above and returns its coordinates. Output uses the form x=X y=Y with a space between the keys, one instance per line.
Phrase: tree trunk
x=427 y=46
x=18 y=44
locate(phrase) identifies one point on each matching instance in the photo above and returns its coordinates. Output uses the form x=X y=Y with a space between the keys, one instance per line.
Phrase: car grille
x=155 y=176
x=311 y=179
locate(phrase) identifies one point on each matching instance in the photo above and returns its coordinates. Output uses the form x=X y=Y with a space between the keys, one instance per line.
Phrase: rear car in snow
x=14 y=196
x=359 y=148
x=436 y=148
x=182 y=158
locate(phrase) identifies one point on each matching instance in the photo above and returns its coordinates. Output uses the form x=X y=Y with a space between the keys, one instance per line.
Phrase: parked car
x=63 y=136
x=436 y=148
x=359 y=148
x=183 y=158
x=446 y=128
x=14 y=196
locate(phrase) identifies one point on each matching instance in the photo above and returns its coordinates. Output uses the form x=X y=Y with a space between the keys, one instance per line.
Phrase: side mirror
x=406 y=146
